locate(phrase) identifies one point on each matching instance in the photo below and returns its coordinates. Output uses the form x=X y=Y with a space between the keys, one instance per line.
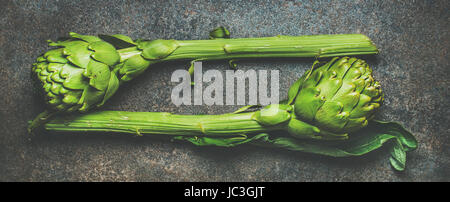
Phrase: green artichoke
x=337 y=98
x=79 y=75
x=85 y=71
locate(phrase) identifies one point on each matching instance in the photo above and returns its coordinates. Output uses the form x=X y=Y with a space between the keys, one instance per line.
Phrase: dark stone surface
x=413 y=68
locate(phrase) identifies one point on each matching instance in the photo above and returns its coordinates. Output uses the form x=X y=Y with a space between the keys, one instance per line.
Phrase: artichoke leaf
x=99 y=75
x=294 y=89
x=55 y=55
x=247 y=108
x=90 y=97
x=133 y=67
x=87 y=38
x=273 y=114
x=398 y=156
x=78 y=53
x=132 y=74
x=330 y=116
x=157 y=49
x=74 y=78
x=370 y=138
x=219 y=33
x=119 y=41
x=308 y=102
x=112 y=88
x=219 y=141
x=104 y=52
x=134 y=63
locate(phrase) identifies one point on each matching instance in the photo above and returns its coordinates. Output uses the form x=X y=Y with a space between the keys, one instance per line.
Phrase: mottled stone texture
x=413 y=68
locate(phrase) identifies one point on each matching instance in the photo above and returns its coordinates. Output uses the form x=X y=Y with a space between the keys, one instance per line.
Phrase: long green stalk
x=264 y=47
x=160 y=123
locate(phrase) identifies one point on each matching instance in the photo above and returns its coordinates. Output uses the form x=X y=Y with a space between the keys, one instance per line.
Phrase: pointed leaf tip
x=118 y=41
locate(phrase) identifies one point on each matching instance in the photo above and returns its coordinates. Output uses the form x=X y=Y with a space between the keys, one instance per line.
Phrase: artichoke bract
x=78 y=75
x=329 y=111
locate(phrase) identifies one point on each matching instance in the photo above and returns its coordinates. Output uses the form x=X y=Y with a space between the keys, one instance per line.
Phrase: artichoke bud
x=78 y=69
x=334 y=99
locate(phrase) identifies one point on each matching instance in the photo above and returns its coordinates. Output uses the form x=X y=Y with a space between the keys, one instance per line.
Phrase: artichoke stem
x=268 y=47
x=142 y=123
x=316 y=46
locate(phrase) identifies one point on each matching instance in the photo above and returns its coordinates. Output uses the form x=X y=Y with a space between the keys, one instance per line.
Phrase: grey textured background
x=413 y=68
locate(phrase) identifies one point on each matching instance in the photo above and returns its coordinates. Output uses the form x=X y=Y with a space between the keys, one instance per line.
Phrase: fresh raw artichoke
x=80 y=74
x=337 y=98
x=85 y=71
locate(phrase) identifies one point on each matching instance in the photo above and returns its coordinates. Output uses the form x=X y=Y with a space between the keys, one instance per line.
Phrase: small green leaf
x=130 y=75
x=222 y=141
x=219 y=33
x=157 y=49
x=77 y=53
x=133 y=67
x=273 y=114
x=72 y=97
x=56 y=56
x=214 y=141
x=247 y=108
x=91 y=97
x=134 y=63
x=112 y=88
x=87 y=38
x=232 y=63
x=73 y=77
x=99 y=75
x=104 y=52
x=397 y=164
x=398 y=158
x=192 y=66
x=293 y=90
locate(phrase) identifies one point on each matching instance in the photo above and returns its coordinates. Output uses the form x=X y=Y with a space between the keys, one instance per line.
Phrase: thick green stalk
x=278 y=46
x=160 y=123
x=264 y=47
